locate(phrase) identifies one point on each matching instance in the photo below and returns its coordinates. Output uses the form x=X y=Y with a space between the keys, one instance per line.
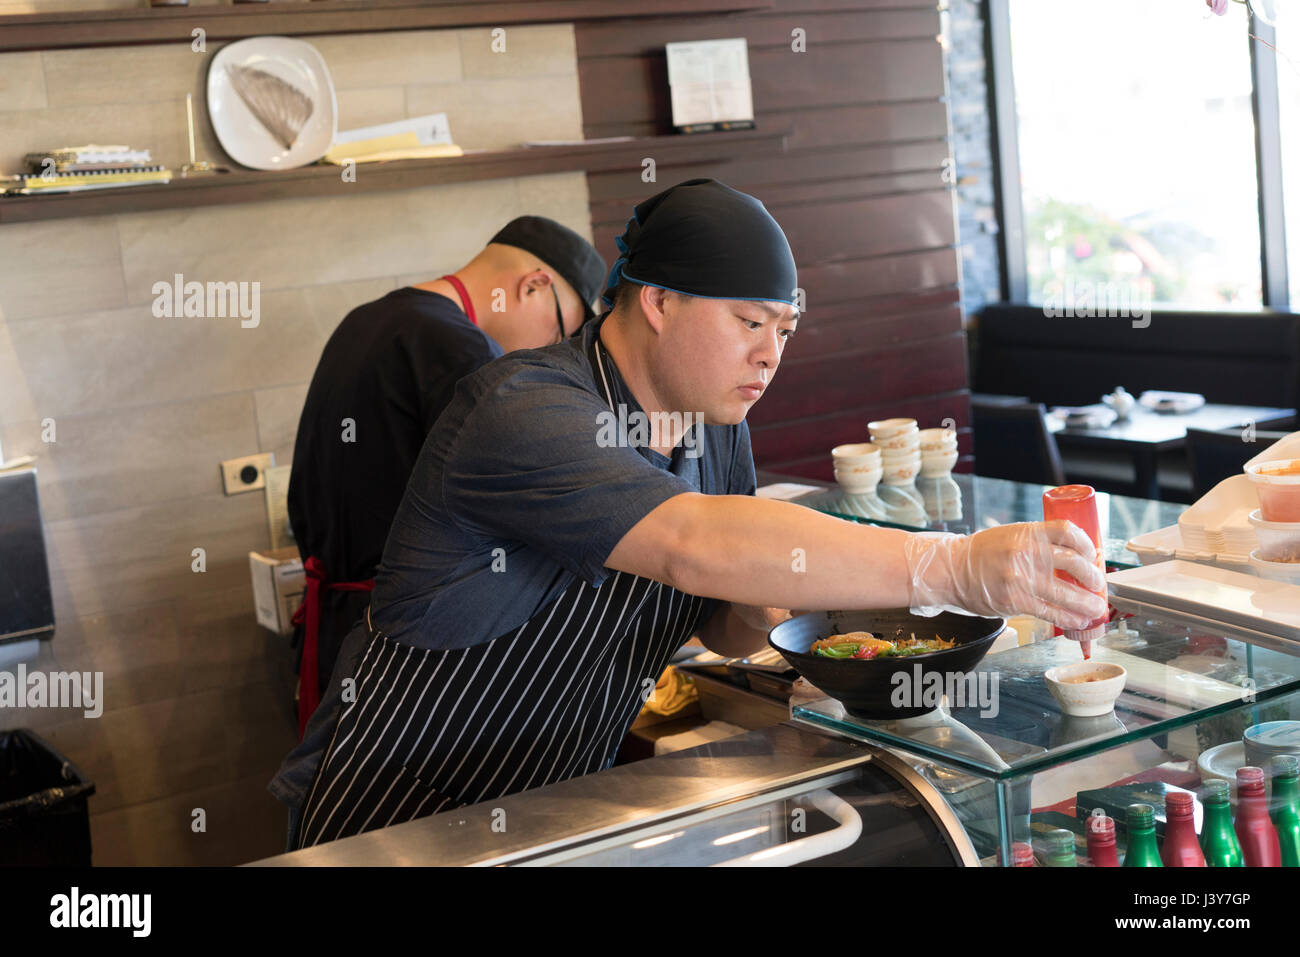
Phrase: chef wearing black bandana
x=581 y=510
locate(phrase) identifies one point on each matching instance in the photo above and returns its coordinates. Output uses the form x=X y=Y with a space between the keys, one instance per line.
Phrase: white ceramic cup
x=887 y=428
x=938 y=463
x=859 y=457
x=895 y=456
x=858 y=483
x=937 y=440
x=901 y=473
x=899 y=443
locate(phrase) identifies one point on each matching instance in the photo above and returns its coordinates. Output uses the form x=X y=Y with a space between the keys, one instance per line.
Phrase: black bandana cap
x=703 y=238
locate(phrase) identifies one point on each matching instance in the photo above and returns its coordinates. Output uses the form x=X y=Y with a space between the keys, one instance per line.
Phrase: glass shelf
x=967 y=503
x=1006 y=725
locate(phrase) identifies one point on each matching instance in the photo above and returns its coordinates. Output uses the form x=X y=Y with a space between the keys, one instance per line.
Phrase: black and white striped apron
x=431 y=730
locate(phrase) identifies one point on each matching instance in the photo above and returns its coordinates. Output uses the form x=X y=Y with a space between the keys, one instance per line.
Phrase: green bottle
x=1058 y=849
x=1284 y=809
x=1140 y=819
x=1218 y=839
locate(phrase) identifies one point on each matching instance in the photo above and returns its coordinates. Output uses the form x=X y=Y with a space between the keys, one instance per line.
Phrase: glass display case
x=955 y=787
x=1012 y=765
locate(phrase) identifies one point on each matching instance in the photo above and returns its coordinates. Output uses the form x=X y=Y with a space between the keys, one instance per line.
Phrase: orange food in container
x=1277 y=484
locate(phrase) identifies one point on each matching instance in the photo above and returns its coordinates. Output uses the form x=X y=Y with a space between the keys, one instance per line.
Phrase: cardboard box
x=279 y=584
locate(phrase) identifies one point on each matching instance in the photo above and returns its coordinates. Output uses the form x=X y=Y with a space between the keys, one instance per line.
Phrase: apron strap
x=464 y=296
x=308 y=615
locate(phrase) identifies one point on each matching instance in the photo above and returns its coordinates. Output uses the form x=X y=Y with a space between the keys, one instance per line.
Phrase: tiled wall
x=198 y=700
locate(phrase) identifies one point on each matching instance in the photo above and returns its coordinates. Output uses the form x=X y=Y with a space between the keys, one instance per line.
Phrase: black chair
x=1013 y=442
x=1214 y=456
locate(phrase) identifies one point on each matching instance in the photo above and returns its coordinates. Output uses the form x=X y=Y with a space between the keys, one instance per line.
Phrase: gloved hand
x=1008 y=570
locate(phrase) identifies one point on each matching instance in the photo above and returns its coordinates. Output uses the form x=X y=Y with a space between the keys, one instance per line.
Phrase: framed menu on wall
x=709 y=83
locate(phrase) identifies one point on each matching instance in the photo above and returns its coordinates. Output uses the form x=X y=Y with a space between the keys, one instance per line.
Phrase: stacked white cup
x=900 y=449
x=858 y=467
x=938 y=452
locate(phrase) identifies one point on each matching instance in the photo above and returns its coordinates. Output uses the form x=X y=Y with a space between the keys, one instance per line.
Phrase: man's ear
x=653 y=300
x=535 y=281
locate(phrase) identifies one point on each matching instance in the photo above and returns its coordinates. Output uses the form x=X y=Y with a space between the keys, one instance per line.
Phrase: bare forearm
x=768 y=554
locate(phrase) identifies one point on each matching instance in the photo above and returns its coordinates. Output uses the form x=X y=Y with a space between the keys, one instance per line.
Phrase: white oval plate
x=241 y=133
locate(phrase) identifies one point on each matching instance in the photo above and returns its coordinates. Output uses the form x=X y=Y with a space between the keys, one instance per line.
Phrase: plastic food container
x=1278 y=485
x=1263 y=742
x=1278 y=541
x=1288 y=572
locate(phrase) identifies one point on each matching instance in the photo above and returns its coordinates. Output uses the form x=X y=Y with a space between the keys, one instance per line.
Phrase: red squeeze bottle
x=1078 y=504
x=1101 y=841
x=1255 y=830
x=1181 y=848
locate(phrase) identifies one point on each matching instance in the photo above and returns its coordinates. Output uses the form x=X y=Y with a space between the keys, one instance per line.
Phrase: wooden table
x=1146 y=434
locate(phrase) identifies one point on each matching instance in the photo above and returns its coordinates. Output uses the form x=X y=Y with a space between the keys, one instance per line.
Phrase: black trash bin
x=44 y=805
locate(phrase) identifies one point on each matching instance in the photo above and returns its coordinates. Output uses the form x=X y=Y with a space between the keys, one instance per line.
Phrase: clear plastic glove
x=1008 y=570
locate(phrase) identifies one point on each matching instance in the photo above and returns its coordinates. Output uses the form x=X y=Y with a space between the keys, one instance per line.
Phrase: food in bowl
x=1278 y=541
x=1086 y=689
x=862 y=645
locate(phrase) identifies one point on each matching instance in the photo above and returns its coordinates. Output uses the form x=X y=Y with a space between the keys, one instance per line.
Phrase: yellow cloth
x=673 y=692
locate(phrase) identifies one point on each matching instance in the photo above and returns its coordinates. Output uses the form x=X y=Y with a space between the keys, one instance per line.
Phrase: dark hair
x=625 y=292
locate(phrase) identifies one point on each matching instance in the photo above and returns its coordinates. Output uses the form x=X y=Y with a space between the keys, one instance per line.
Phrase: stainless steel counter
x=599 y=809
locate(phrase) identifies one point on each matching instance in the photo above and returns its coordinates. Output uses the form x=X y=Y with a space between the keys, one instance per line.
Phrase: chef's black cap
x=703 y=238
x=575 y=259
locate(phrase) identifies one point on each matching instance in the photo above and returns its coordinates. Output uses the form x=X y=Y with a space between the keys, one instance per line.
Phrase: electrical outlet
x=247 y=474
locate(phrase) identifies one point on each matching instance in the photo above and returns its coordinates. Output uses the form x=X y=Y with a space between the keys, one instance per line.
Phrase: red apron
x=308 y=615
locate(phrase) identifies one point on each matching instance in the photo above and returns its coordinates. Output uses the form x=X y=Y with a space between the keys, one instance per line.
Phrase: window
x=1288 y=87
x=1136 y=136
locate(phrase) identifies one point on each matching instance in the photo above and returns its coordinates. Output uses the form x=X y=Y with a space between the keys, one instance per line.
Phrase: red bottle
x=1180 y=848
x=1078 y=504
x=1101 y=841
x=1022 y=854
x=1254 y=827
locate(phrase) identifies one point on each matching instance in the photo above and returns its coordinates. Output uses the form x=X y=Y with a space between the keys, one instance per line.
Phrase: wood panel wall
x=859 y=191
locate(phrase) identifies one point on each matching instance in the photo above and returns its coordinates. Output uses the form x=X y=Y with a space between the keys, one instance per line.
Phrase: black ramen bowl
x=866 y=687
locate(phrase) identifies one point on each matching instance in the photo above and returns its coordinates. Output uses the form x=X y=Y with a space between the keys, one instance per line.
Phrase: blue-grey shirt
x=528 y=481
x=525 y=483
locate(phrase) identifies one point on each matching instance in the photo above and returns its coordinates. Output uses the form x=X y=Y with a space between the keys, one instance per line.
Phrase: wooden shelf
x=94 y=28
x=248 y=186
